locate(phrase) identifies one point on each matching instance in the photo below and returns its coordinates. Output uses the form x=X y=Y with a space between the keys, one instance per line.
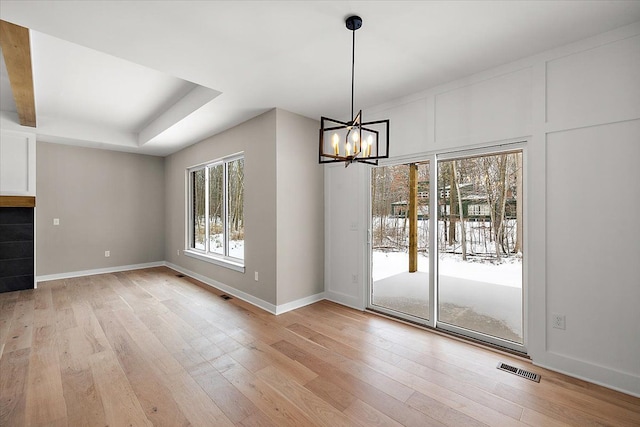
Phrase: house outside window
x=215 y=207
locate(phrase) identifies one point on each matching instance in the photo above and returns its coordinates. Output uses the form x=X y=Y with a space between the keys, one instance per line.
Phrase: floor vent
x=519 y=372
x=179 y=275
x=225 y=297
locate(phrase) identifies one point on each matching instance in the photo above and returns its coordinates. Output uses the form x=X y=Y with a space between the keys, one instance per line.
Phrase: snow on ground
x=236 y=247
x=508 y=273
x=488 y=289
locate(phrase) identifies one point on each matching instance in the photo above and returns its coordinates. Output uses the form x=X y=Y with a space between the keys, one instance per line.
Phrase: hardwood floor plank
x=256 y=420
x=458 y=407
x=235 y=405
x=7 y=308
x=443 y=412
x=279 y=410
x=534 y=419
x=331 y=393
x=354 y=367
x=554 y=409
x=83 y=402
x=146 y=347
x=45 y=398
x=394 y=408
x=120 y=404
x=196 y=405
x=320 y=411
x=21 y=329
x=364 y=415
x=14 y=370
x=155 y=399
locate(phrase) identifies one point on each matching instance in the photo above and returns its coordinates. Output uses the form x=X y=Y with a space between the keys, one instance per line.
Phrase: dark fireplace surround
x=17 y=247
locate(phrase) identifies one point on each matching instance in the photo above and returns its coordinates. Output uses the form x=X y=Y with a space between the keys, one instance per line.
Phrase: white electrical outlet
x=255 y=274
x=107 y=254
x=56 y=221
x=178 y=251
x=558 y=321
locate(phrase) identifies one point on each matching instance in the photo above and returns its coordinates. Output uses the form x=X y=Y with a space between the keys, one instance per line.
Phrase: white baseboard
x=597 y=374
x=346 y=300
x=267 y=306
x=283 y=308
x=58 y=276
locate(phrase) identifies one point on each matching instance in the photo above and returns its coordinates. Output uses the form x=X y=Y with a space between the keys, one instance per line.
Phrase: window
x=216 y=212
x=479 y=210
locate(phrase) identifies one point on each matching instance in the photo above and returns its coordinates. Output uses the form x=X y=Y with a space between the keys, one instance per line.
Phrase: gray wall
x=283 y=206
x=257 y=138
x=300 y=218
x=105 y=200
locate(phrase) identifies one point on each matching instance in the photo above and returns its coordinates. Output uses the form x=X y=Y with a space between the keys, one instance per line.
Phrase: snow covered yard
x=482 y=296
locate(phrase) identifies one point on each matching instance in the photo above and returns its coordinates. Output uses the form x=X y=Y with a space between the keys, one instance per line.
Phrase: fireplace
x=17 y=249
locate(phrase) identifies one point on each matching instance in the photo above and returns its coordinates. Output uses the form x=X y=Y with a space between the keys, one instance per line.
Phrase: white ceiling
x=156 y=76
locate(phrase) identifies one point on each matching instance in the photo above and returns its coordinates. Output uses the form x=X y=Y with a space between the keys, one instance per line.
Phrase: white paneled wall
x=17 y=163
x=578 y=109
x=593 y=274
x=495 y=109
x=594 y=86
x=408 y=123
x=345 y=234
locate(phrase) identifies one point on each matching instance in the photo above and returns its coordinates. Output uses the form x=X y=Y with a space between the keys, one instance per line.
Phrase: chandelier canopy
x=354 y=140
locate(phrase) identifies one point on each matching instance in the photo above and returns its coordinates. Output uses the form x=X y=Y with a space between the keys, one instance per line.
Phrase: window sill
x=222 y=262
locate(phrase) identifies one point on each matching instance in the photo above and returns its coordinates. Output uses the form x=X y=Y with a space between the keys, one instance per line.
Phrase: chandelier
x=353 y=141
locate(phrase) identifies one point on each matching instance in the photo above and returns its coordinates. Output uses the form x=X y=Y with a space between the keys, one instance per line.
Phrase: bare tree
x=518 y=245
x=463 y=232
x=453 y=202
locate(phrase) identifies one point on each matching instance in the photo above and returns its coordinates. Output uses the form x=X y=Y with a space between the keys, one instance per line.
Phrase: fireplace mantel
x=17 y=202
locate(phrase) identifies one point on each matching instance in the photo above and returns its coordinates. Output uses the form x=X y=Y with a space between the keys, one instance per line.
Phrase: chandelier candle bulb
x=347 y=149
x=336 y=143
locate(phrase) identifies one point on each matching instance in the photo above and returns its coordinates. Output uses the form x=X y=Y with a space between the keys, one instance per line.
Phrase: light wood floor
x=146 y=347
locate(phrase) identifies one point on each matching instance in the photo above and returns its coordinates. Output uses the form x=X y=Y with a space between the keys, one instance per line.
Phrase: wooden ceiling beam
x=16 y=49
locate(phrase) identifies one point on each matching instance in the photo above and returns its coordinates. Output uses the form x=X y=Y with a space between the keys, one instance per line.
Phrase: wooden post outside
x=413 y=218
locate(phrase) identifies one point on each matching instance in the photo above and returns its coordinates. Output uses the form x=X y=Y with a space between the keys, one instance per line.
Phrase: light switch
x=56 y=221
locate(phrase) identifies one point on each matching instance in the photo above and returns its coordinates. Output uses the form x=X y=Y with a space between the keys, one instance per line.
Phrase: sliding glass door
x=474 y=286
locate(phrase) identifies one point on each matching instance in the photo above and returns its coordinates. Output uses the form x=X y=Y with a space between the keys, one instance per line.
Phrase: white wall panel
x=343 y=225
x=592 y=244
x=599 y=85
x=408 y=127
x=491 y=110
x=17 y=163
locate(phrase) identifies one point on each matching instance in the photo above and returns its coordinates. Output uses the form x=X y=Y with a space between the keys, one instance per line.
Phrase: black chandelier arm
x=376 y=122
